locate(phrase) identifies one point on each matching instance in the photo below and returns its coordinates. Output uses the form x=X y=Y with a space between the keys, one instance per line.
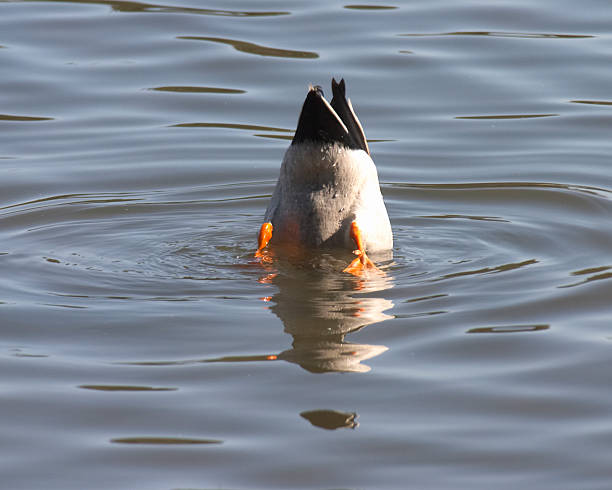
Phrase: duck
x=328 y=194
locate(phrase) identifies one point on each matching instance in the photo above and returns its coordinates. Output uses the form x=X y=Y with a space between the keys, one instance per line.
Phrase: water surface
x=141 y=344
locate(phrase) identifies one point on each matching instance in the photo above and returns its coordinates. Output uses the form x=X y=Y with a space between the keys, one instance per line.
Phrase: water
x=142 y=347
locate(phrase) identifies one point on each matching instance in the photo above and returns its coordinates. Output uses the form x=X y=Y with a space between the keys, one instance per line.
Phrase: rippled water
x=141 y=345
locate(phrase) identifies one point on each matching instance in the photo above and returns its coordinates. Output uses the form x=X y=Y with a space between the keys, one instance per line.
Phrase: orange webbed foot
x=265 y=234
x=362 y=262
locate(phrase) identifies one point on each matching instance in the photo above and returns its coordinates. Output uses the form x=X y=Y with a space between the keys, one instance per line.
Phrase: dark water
x=142 y=347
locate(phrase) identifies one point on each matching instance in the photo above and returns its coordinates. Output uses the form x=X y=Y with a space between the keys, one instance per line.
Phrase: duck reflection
x=318 y=307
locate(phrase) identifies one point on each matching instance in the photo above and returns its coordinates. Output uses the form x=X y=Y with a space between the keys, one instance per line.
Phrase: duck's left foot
x=362 y=262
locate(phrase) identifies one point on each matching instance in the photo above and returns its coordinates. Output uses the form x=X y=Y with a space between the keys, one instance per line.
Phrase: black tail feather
x=325 y=123
x=343 y=108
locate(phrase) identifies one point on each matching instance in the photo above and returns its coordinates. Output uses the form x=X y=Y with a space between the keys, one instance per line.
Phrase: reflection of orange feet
x=267 y=279
x=362 y=262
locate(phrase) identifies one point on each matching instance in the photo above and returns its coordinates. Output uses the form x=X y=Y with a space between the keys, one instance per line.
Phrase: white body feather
x=321 y=190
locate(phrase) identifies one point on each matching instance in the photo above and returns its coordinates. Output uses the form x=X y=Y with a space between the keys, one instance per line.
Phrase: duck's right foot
x=265 y=234
x=362 y=262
